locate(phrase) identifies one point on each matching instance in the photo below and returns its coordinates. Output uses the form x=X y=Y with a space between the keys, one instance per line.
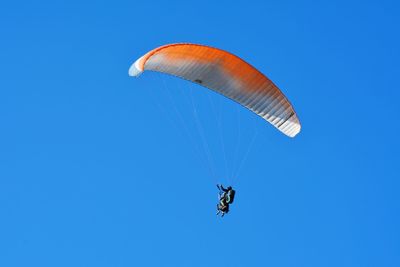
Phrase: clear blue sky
x=97 y=169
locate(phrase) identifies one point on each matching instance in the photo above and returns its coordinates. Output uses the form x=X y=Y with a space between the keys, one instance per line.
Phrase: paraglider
x=226 y=197
x=226 y=74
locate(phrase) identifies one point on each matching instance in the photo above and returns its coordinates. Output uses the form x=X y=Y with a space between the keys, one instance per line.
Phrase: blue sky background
x=101 y=169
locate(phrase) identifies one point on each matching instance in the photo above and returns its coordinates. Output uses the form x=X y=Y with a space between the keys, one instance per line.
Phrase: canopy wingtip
x=135 y=70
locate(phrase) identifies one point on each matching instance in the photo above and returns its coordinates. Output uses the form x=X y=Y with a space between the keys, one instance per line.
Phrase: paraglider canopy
x=226 y=74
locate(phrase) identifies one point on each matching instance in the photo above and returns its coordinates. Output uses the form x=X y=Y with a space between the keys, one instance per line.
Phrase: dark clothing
x=226 y=197
x=227 y=193
x=221 y=187
x=230 y=196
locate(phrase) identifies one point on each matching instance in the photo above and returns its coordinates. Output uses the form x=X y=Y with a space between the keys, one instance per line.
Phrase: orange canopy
x=226 y=74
